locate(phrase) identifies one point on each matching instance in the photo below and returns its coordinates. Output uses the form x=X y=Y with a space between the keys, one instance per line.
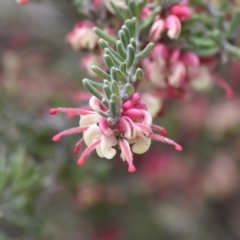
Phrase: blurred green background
x=192 y=195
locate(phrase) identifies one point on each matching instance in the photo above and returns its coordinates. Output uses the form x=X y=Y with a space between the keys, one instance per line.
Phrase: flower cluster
x=159 y=40
x=132 y=133
x=172 y=71
x=171 y=23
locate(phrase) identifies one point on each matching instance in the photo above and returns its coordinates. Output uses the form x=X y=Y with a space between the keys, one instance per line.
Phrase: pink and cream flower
x=83 y=36
x=132 y=133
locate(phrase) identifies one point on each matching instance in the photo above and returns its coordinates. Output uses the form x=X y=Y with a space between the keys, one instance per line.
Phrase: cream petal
x=203 y=81
x=154 y=104
x=99 y=151
x=95 y=103
x=141 y=147
x=106 y=145
x=123 y=157
x=86 y=120
x=91 y=134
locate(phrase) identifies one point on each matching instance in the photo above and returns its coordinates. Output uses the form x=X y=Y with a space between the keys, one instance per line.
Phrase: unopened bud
x=173 y=24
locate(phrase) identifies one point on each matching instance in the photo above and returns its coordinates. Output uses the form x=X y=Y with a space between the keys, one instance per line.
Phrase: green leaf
x=134 y=22
x=120 y=75
x=233 y=25
x=150 y=18
x=116 y=55
x=106 y=104
x=107 y=90
x=123 y=68
x=206 y=52
x=232 y=49
x=115 y=88
x=132 y=8
x=17 y=162
x=139 y=73
x=121 y=50
x=127 y=34
x=104 y=35
x=145 y=52
x=202 y=42
x=92 y=89
x=129 y=89
x=130 y=27
x=130 y=56
x=103 y=44
x=113 y=108
x=115 y=98
x=113 y=73
x=126 y=13
x=140 y=6
x=122 y=38
x=108 y=61
x=117 y=11
x=115 y=60
x=133 y=43
x=101 y=73
x=95 y=84
x=104 y=114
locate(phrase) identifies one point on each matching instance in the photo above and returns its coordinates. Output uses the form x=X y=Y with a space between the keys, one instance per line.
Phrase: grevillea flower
x=132 y=133
x=157 y=29
x=83 y=36
x=173 y=24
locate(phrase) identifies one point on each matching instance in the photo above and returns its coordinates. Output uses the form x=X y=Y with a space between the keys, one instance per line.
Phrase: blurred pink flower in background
x=221 y=180
x=83 y=36
x=223 y=117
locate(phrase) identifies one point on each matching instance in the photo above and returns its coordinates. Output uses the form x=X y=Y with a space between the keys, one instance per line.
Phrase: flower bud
x=178 y=74
x=190 y=59
x=181 y=11
x=157 y=29
x=145 y=12
x=173 y=24
x=83 y=36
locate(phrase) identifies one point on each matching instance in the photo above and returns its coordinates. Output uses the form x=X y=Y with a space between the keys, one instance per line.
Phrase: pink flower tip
x=76 y=150
x=164 y=132
x=96 y=3
x=53 y=111
x=80 y=162
x=178 y=148
x=230 y=95
x=56 y=138
x=131 y=169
